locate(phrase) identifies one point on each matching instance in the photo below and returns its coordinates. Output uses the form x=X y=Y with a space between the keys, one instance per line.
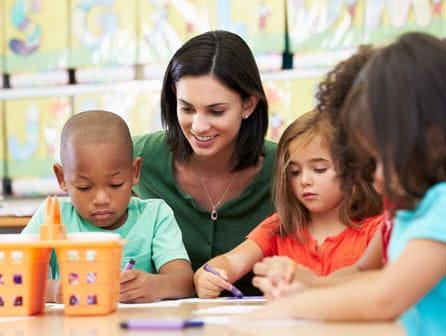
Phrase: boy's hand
x=136 y=287
x=208 y=285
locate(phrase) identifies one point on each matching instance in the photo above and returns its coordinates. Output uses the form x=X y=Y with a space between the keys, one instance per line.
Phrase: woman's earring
x=245 y=116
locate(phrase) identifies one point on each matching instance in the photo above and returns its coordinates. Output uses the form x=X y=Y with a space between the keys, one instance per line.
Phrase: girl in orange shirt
x=317 y=223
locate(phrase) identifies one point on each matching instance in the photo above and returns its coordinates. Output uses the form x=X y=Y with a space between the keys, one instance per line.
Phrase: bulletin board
x=103 y=33
x=32 y=42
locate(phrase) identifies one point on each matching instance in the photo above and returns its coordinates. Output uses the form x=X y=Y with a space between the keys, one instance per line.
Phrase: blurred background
x=60 y=57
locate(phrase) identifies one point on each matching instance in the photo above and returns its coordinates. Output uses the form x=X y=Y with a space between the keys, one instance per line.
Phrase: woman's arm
x=231 y=266
x=173 y=281
x=381 y=295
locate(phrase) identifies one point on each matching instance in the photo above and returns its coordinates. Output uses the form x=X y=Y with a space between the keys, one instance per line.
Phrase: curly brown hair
x=355 y=171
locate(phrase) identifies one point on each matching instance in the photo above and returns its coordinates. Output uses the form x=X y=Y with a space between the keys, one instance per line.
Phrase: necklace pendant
x=214 y=215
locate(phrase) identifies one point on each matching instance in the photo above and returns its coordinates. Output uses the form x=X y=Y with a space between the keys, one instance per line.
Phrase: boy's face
x=99 y=180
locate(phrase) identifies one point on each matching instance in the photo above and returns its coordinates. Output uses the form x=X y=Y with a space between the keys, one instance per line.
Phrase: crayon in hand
x=130 y=264
x=234 y=290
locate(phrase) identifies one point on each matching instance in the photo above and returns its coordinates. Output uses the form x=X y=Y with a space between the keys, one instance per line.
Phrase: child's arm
x=231 y=266
x=173 y=281
x=281 y=276
x=381 y=295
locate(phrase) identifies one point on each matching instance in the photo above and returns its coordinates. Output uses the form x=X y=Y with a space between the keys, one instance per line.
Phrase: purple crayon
x=160 y=324
x=130 y=264
x=234 y=290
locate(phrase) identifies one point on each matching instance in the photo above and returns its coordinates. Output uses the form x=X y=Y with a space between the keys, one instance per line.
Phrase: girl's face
x=313 y=177
x=210 y=114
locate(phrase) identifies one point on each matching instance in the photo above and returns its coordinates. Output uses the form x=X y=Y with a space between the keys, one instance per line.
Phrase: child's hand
x=274 y=291
x=208 y=285
x=277 y=269
x=136 y=287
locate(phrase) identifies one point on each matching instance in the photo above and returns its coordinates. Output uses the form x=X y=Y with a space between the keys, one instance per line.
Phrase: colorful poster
x=328 y=25
x=32 y=135
x=324 y=24
x=288 y=98
x=140 y=109
x=165 y=25
x=103 y=33
x=36 y=35
x=260 y=22
x=384 y=21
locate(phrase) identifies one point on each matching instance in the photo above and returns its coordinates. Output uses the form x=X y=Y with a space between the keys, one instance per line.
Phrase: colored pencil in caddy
x=89 y=265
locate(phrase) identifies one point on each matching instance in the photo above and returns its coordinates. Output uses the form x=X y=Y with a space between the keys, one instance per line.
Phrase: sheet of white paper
x=228 y=299
x=228 y=320
x=228 y=309
x=158 y=304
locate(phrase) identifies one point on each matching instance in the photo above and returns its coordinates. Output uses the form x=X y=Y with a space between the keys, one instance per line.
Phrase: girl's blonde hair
x=361 y=202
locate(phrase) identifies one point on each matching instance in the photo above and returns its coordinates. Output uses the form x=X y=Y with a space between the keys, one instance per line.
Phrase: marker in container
x=130 y=264
x=148 y=324
x=234 y=290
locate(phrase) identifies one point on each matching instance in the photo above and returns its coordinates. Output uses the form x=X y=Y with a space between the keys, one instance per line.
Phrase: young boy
x=98 y=172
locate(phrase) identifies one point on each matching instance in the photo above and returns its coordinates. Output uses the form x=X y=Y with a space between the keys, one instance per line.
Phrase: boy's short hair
x=95 y=127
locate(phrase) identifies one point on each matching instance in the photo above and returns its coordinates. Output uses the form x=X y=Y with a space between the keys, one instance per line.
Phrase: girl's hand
x=137 y=286
x=274 y=291
x=208 y=285
x=277 y=269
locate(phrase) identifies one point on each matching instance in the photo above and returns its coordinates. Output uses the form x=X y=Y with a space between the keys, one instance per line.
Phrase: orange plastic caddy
x=89 y=264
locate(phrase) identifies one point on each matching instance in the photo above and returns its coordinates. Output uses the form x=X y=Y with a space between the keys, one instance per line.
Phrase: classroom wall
x=114 y=52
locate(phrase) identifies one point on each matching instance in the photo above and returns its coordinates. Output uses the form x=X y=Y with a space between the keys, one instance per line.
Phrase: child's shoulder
x=375 y=220
x=436 y=194
x=149 y=204
x=370 y=225
x=271 y=222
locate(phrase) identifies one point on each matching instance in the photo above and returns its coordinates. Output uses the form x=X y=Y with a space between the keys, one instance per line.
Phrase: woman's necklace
x=214 y=207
